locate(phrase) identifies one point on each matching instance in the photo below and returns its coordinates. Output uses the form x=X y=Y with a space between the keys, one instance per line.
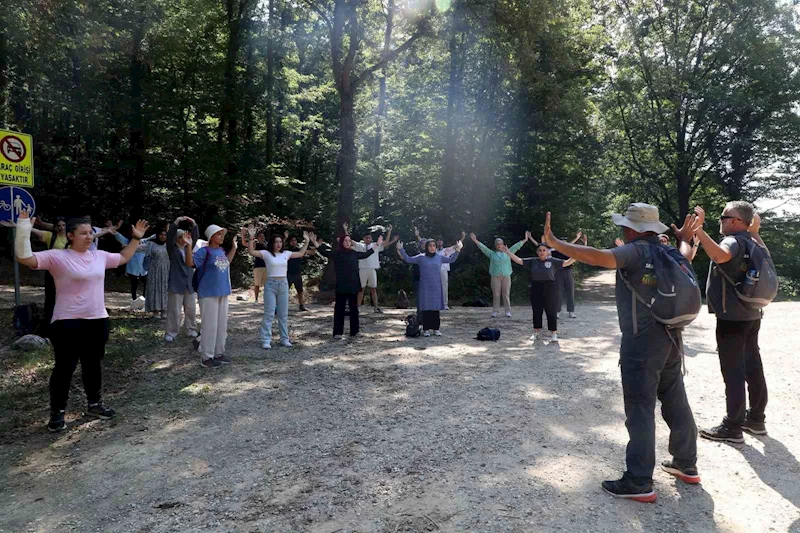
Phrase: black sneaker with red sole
x=685 y=474
x=627 y=489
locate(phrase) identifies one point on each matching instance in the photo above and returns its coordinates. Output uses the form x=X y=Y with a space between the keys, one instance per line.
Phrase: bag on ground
x=412 y=326
x=759 y=283
x=488 y=334
x=27 y=319
x=677 y=300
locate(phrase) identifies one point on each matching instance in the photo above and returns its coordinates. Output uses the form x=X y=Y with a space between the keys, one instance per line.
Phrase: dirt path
x=390 y=434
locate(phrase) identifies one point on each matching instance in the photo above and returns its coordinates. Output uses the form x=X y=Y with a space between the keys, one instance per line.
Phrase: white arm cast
x=22 y=242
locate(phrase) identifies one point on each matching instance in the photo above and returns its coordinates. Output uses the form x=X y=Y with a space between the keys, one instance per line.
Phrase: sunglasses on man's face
x=726 y=217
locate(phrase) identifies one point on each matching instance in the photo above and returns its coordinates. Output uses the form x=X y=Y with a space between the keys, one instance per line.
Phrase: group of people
x=187 y=270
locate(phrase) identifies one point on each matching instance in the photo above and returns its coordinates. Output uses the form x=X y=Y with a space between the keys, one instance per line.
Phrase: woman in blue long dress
x=431 y=295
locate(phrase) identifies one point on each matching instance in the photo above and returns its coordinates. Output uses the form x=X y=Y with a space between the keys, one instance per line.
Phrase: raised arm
x=405 y=257
x=582 y=254
x=516 y=247
x=251 y=242
x=511 y=255
x=137 y=232
x=568 y=262
x=364 y=255
x=187 y=251
x=234 y=246
x=22 y=241
x=482 y=247
x=302 y=251
x=715 y=252
x=577 y=238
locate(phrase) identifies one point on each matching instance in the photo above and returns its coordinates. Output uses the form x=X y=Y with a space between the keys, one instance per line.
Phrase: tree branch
x=388 y=57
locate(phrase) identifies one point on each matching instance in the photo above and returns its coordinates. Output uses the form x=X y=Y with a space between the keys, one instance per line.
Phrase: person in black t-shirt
x=565 y=282
x=294 y=270
x=259 y=267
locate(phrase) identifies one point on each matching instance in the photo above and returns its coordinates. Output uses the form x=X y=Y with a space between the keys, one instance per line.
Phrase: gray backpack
x=759 y=285
x=677 y=300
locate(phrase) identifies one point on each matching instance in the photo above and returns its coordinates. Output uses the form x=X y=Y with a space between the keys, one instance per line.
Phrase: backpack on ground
x=759 y=285
x=402 y=300
x=413 y=328
x=27 y=319
x=488 y=334
x=677 y=301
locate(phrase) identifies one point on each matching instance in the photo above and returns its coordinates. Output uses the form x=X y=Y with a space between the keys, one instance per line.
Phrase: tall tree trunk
x=449 y=169
x=346 y=164
x=136 y=120
x=269 y=153
x=378 y=175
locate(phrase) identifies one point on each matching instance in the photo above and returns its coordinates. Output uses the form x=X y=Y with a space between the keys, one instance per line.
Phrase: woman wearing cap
x=213 y=289
x=500 y=270
x=181 y=294
x=543 y=291
x=348 y=281
x=431 y=295
x=79 y=328
x=276 y=288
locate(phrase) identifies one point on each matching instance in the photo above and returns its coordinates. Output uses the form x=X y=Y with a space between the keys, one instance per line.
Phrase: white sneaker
x=508 y=315
x=192 y=334
x=337 y=337
x=437 y=333
x=446 y=307
x=266 y=345
x=494 y=315
x=286 y=344
x=426 y=333
x=573 y=315
x=533 y=337
x=169 y=338
x=554 y=337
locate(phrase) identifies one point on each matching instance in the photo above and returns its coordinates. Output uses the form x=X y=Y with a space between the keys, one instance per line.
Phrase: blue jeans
x=276 y=296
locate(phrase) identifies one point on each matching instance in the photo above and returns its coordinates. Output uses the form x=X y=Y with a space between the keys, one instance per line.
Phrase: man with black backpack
x=651 y=351
x=738 y=321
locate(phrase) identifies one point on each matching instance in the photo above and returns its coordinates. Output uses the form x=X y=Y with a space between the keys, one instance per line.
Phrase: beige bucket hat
x=640 y=217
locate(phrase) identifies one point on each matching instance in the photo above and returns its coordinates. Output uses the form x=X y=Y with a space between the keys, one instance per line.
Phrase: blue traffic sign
x=13 y=200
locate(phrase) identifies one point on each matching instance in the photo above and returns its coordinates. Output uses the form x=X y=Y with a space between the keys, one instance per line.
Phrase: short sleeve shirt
x=295 y=266
x=59 y=244
x=373 y=261
x=632 y=262
x=544 y=270
x=80 y=281
x=214 y=271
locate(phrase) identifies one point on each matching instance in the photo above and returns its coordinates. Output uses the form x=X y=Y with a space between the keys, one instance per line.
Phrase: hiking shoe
x=266 y=345
x=303 y=308
x=573 y=315
x=169 y=338
x=437 y=333
x=56 y=423
x=224 y=359
x=210 y=363
x=753 y=427
x=98 y=410
x=687 y=475
x=286 y=343
x=627 y=489
x=378 y=310
x=721 y=433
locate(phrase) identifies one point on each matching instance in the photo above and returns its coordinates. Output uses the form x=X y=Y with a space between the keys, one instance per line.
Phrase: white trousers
x=214 y=327
x=445 y=280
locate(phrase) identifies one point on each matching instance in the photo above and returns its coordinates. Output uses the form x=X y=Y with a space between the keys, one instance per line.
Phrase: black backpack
x=413 y=328
x=402 y=300
x=488 y=334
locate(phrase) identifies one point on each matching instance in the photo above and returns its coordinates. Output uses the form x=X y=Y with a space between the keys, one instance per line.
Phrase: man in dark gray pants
x=650 y=357
x=565 y=281
x=737 y=324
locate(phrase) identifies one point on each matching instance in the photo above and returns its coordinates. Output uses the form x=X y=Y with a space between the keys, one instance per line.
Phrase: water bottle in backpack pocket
x=759 y=285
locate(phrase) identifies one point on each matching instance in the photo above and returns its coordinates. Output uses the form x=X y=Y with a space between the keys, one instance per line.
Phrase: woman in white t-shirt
x=276 y=289
x=79 y=328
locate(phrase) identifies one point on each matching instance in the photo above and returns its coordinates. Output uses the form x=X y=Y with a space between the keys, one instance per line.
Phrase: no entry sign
x=16 y=159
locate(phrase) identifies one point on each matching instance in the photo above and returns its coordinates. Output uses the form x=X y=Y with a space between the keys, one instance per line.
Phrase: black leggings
x=431 y=320
x=343 y=299
x=49 y=298
x=544 y=298
x=135 y=284
x=77 y=340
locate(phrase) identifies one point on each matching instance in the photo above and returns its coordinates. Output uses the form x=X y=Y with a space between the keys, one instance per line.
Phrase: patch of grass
x=24 y=376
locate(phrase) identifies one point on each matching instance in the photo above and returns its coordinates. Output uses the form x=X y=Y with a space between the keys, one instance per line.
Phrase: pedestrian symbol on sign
x=13 y=201
x=13 y=148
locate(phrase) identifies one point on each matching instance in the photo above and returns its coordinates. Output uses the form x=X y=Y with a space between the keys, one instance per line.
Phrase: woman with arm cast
x=79 y=328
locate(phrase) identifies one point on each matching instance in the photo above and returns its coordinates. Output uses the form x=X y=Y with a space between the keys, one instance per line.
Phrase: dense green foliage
x=456 y=115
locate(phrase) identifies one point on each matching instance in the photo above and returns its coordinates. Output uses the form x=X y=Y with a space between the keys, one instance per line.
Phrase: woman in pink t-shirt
x=79 y=328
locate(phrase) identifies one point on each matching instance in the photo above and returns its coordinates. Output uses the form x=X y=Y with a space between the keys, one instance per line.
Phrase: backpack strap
x=203 y=270
x=634 y=295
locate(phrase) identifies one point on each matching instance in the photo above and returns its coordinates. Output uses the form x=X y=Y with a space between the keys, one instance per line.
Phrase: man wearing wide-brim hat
x=650 y=360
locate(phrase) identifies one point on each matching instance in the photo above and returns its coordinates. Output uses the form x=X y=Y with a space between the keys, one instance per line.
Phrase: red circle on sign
x=13 y=148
